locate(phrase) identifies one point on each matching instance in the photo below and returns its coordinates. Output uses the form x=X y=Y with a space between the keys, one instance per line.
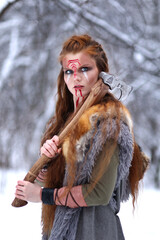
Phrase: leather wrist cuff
x=48 y=196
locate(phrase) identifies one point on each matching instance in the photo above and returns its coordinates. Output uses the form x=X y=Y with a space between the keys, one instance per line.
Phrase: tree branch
x=8 y=5
x=92 y=17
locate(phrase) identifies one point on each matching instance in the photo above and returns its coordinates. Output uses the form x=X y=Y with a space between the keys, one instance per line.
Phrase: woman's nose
x=77 y=77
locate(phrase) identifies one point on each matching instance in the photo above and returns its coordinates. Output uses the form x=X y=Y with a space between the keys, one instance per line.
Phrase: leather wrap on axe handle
x=97 y=92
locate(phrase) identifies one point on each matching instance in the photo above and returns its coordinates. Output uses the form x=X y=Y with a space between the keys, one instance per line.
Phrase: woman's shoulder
x=105 y=112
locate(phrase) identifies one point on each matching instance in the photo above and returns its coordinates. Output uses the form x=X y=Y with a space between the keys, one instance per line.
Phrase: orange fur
x=107 y=110
x=140 y=164
x=52 y=181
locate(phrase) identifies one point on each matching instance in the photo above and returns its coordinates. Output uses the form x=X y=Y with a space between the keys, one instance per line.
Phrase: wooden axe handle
x=97 y=92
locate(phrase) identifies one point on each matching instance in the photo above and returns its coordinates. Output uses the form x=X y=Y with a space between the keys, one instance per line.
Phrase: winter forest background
x=31 y=35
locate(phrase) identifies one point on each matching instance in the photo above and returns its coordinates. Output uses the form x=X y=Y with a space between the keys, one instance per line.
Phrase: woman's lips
x=78 y=86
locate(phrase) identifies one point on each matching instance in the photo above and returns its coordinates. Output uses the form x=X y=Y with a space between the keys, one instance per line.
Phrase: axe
x=107 y=82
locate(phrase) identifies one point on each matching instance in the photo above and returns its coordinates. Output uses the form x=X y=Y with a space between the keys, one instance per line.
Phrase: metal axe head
x=117 y=87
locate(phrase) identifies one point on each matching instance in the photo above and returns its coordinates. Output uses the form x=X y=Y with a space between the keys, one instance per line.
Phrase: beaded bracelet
x=48 y=196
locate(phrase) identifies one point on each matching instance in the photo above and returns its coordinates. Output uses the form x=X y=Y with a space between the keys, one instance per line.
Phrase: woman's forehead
x=78 y=59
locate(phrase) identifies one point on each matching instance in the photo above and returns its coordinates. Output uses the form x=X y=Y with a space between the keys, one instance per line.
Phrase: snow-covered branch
x=5 y=4
x=9 y=24
x=12 y=53
x=92 y=17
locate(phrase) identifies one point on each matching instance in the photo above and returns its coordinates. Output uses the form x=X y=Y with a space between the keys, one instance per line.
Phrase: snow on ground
x=24 y=223
x=144 y=222
x=17 y=223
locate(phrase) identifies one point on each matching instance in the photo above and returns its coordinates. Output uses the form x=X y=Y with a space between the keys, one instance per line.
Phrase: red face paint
x=80 y=91
x=81 y=96
x=73 y=65
x=76 y=92
x=77 y=102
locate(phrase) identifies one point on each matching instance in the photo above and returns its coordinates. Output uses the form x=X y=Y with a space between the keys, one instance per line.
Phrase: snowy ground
x=24 y=223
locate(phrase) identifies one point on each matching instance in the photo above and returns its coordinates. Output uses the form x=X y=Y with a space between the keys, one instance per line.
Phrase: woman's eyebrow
x=81 y=66
x=85 y=65
x=66 y=68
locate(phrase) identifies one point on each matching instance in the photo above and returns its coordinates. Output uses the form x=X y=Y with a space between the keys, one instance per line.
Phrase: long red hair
x=63 y=112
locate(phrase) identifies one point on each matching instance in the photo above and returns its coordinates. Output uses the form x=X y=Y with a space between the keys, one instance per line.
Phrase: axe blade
x=108 y=79
x=117 y=87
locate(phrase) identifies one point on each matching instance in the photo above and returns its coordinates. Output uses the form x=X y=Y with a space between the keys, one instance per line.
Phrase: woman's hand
x=50 y=147
x=28 y=191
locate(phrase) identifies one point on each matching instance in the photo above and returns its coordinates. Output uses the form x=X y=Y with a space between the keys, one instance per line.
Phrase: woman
x=99 y=164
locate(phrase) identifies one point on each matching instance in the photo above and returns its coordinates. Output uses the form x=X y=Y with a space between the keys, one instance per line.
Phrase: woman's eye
x=68 y=71
x=84 y=69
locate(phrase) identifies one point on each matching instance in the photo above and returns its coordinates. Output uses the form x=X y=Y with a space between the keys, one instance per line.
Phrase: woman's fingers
x=19 y=190
x=45 y=152
x=48 y=150
x=28 y=191
x=56 y=140
x=50 y=147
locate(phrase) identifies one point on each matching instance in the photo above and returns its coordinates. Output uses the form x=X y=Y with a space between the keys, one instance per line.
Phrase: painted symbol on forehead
x=73 y=64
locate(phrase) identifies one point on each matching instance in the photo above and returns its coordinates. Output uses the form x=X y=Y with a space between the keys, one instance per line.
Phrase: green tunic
x=102 y=192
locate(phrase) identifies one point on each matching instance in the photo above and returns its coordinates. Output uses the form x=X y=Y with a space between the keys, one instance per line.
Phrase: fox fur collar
x=86 y=125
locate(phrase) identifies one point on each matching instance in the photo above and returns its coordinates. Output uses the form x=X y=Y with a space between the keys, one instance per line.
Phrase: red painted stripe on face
x=80 y=92
x=77 y=102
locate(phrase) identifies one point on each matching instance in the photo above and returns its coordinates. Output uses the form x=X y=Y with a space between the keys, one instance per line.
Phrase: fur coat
x=99 y=124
